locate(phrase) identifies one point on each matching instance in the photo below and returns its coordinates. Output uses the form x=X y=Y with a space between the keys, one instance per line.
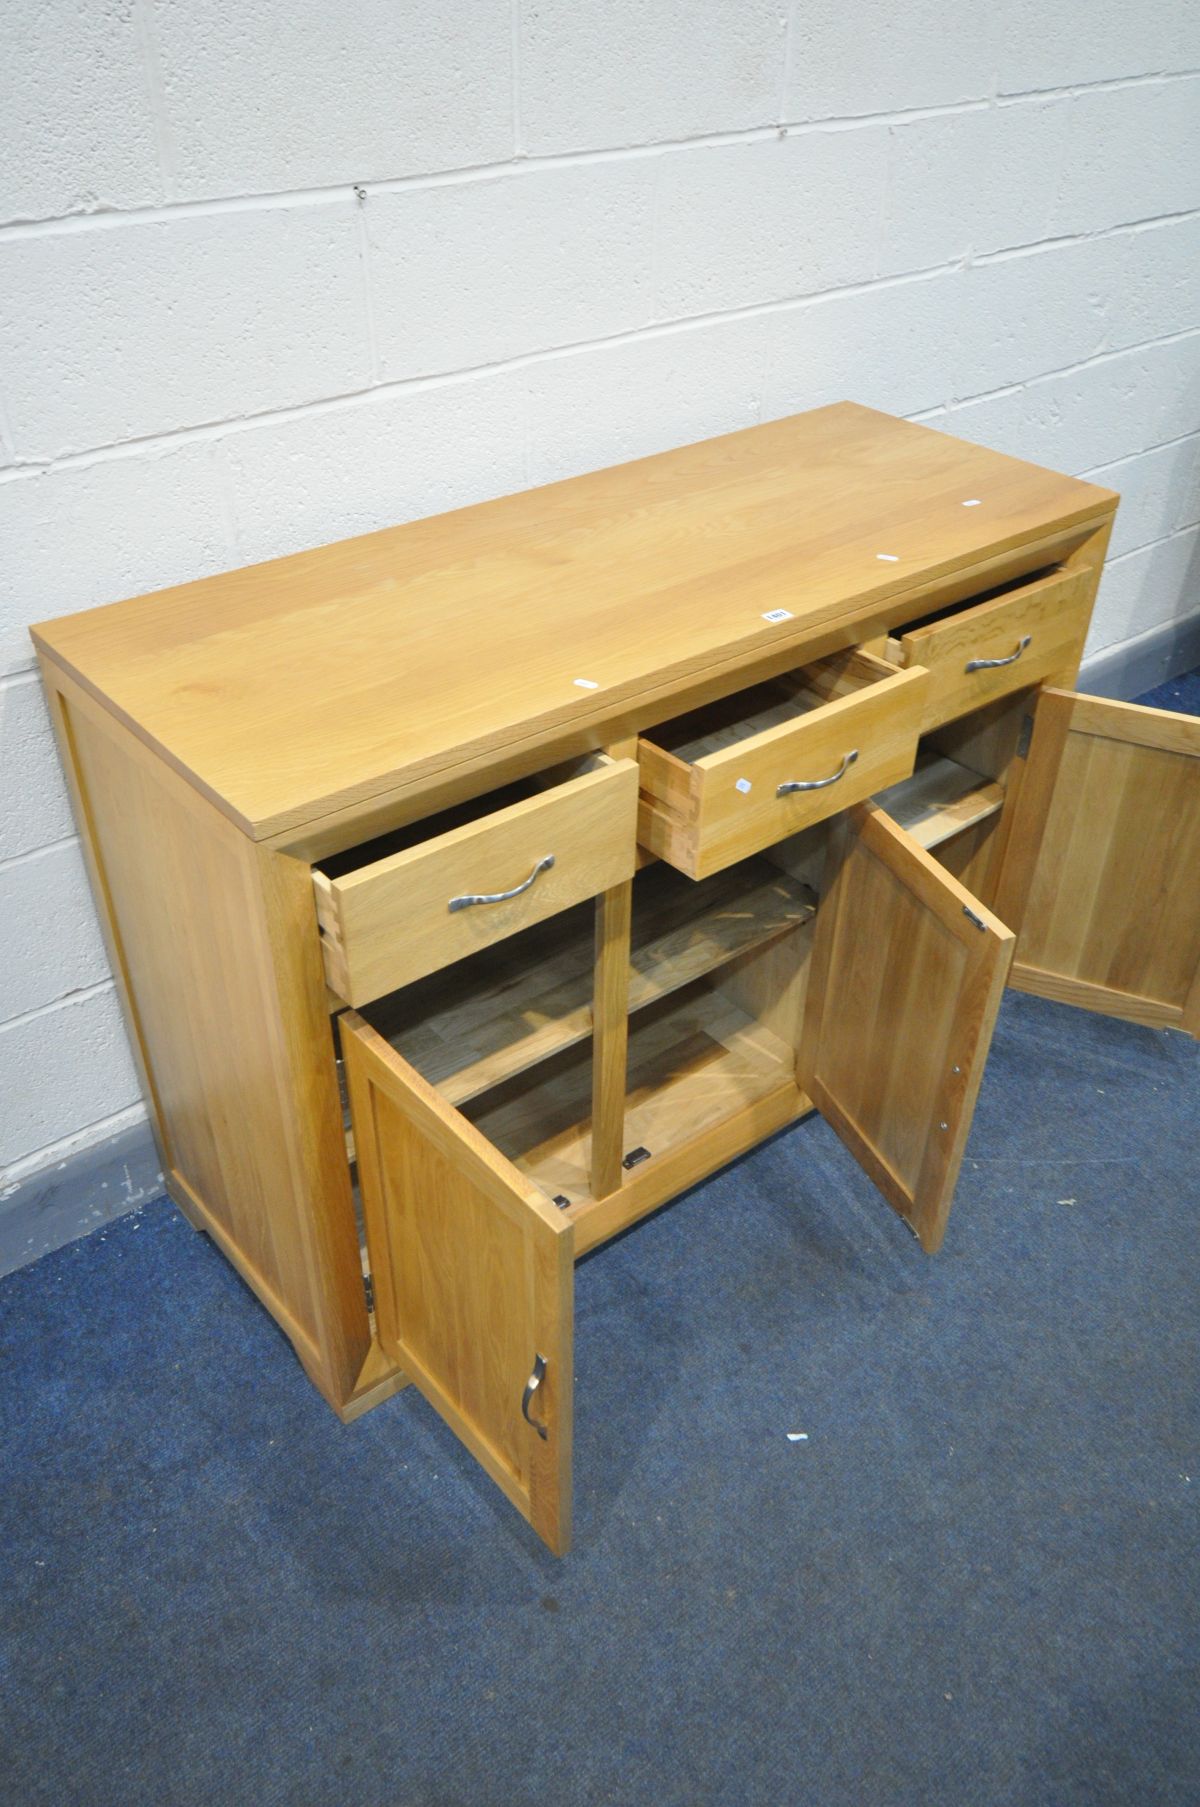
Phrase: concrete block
x=884 y=347
x=1075 y=41
x=305 y=95
x=52 y=936
x=1077 y=420
x=124 y=330
x=607 y=405
x=75 y=537
x=393 y=456
x=612 y=72
x=746 y=223
x=33 y=798
x=470 y=273
x=876 y=57
x=961 y=184
x=1156 y=584
x=76 y=132
x=1028 y=315
x=61 y=1070
x=1154 y=287
x=1160 y=493
x=1131 y=154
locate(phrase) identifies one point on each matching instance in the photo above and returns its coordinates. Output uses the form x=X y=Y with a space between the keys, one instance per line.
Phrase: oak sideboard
x=476 y=886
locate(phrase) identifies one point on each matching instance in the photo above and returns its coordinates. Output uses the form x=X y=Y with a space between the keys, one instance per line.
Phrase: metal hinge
x=1026 y=736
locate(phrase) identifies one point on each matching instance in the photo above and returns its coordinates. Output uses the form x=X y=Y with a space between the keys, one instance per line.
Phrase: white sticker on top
x=778 y=615
x=743 y=785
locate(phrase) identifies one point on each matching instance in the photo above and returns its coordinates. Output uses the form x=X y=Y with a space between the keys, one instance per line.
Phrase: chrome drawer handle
x=817 y=784
x=477 y=897
x=531 y=1386
x=995 y=664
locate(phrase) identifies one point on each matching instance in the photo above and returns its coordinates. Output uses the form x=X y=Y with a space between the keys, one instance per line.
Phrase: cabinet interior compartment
x=941 y=799
x=954 y=812
x=715 y=993
x=944 y=804
x=696 y=1058
x=472 y=1026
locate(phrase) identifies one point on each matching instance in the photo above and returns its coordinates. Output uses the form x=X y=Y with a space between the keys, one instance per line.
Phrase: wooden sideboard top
x=323 y=682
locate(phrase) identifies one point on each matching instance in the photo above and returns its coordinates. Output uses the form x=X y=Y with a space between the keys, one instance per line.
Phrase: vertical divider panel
x=610 y=1035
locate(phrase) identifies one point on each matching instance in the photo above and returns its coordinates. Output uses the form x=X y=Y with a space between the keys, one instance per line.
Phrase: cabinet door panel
x=474 y=1279
x=907 y=974
x=1102 y=871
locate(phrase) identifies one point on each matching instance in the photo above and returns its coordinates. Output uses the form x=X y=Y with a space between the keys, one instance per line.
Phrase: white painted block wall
x=274 y=274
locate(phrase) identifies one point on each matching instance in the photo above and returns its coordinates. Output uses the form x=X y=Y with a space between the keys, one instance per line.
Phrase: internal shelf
x=695 y=1060
x=940 y=799
x=481 y=1022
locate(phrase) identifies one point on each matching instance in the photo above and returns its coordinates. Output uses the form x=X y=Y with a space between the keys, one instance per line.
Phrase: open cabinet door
x=1102 y=870
x=906 y=978
x=474 y=1279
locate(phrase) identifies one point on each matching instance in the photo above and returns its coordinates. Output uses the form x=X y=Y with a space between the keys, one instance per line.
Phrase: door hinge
x=1026 y=736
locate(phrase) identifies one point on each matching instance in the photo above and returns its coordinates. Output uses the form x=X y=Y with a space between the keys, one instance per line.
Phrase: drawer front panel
x=985 y=652
x=704 y=816
x=392 y=922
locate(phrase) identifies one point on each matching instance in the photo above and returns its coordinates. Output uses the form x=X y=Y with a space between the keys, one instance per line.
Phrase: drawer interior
x=727 y=780
x=460 y=815
x=1004 y=639
x=1013 y=587
x=436 y=891
x=724 y=724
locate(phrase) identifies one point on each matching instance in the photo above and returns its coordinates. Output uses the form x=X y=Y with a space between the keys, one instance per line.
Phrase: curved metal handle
x=817 y=784
x=531 y=1386
x=994 y=664
x=477 y=897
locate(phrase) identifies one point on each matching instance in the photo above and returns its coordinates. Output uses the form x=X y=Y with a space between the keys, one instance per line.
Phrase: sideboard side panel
x=223 y=993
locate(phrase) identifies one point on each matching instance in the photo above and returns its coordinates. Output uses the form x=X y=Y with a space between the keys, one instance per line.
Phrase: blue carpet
x=975 y=1582
x=1182 y=694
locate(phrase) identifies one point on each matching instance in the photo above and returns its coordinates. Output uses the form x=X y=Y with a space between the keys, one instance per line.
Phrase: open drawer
x=1027 y=630
x=443 y=888
x=727 y=780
